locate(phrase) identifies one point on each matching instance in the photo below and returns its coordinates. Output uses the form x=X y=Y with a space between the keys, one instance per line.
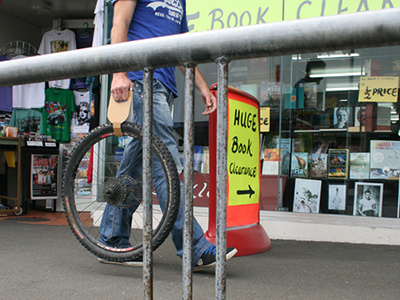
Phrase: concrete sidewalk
x=47 y=262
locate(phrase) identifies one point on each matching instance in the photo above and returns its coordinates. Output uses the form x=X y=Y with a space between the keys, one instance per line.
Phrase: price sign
x=378 y=89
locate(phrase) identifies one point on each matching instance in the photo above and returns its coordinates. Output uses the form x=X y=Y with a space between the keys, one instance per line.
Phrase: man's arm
x=123 y=13
x=208 y=98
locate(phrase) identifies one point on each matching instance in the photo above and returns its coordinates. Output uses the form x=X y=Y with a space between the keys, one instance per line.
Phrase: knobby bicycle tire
x=84 y=195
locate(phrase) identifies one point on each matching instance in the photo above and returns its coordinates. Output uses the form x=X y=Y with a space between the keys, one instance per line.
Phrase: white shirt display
x=81 y=116
x=58 y=41
x=98 y=24
x=28 y=95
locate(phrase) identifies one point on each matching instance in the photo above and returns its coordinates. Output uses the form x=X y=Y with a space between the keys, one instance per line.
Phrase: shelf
x=17 y=142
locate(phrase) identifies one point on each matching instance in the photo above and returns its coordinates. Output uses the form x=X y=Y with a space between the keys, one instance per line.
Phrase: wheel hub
x=122 y=191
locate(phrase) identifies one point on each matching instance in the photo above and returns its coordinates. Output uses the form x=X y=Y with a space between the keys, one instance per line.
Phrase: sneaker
x=208 y=259
x=131 y=263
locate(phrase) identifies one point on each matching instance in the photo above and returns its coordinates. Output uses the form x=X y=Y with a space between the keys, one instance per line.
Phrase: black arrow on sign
x=245 y=192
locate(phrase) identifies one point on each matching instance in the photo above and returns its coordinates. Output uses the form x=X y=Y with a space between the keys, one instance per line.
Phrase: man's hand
x=120 y=86
x=208 y=98
x=209 y=101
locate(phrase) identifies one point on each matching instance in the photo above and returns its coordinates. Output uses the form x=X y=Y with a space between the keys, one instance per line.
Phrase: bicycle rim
x=89 y=177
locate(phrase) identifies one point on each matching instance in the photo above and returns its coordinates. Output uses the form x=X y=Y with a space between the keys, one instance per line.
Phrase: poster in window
x=44 y=176
x=337 y=197
x=270 y=93
x=299 y=164
x=319 y=165
x=342 y=117
x=359 y=116
x=368 y=198
x=385 y=159
x=359 y=165
x=338 y=163
x=307 y=195
x=271 y=162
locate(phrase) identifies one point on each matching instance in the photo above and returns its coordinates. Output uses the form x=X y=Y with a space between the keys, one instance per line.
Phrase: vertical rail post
x=222 y=126
x=147 y=183
x=188 y=181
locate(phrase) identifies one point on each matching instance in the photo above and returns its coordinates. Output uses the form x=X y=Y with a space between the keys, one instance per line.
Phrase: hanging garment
x=81 y=116
x=58 y=41
x=27 y=120
x=29 y=95
x=98 y=24
x=59 y=106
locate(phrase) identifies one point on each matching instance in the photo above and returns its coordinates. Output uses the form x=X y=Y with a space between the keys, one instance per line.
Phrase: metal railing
x=360 y=30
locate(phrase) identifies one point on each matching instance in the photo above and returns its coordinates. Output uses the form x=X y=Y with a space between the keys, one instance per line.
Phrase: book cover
x=359 y=165
x=322 y=146
x=299 y=164
x=342 y=117
x=359 y=116
x=310 y=95
x=284 y=145
x=290 y=99
x=368 y=199
x=271 y=162
x=307 y=195
x=319 y=165
x=270 y=93
x=268 y=141
x=383 y=118
x=338 y=163
x=337 y=197
x=385 y=159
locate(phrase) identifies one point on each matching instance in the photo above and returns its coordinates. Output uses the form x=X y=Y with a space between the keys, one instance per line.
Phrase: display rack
x=12 y=144
x=16 y=48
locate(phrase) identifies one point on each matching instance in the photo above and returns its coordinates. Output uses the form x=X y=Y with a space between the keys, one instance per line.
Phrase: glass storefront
x=333 y=146
x=333 y=140
x=341 y=136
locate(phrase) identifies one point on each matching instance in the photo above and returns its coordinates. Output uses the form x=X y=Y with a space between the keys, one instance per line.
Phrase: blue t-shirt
x=156 y=18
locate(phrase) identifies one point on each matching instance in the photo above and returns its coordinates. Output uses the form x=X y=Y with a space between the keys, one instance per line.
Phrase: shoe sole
x=122 y=263
x=228 y=257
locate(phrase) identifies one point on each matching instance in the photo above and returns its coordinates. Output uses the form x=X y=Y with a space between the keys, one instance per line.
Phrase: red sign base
x=247 y=241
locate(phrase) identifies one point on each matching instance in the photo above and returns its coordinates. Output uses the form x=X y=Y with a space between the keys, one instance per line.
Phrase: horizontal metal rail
x=349 y=31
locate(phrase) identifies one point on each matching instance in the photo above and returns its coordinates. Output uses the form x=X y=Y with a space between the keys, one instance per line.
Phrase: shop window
x=336 y=133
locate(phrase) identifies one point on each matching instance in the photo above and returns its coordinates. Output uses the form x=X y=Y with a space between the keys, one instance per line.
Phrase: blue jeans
x=115 y=226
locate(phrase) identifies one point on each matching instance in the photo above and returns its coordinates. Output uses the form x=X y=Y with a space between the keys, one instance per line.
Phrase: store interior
x=24 y=25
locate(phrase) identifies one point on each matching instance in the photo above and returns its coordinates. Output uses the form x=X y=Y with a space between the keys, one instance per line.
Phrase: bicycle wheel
x=90 y=183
